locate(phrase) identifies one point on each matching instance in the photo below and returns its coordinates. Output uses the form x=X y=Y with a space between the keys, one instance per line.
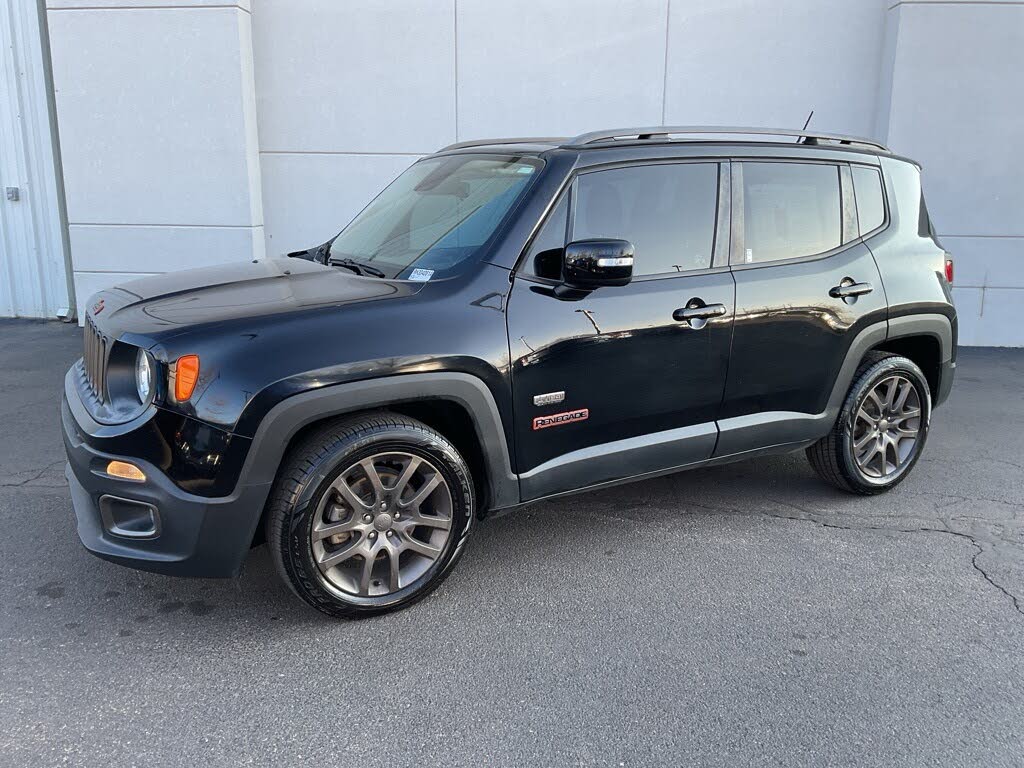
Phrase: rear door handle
x=848 y=288
x=703 y=312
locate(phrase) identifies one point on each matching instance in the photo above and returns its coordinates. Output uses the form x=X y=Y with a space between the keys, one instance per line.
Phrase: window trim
x=886 y=218
x=720 y=239
x=738 y=230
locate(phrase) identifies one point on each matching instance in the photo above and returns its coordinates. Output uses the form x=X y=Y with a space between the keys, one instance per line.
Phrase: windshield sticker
x=525 y=169
x=421 y=275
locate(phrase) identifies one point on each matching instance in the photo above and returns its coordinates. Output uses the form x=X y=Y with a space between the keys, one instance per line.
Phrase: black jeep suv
x=508 y=321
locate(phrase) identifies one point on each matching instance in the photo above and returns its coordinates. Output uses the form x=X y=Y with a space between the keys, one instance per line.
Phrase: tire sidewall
x=298 y=554
x=868 y=379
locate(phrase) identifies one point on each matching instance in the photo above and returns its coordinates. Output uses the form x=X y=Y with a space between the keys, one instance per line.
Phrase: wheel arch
x=924 y=351
x=927 y=340
x=458 y=405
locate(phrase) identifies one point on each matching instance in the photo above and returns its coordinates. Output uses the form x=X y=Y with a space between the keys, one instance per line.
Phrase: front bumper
x=192 y=535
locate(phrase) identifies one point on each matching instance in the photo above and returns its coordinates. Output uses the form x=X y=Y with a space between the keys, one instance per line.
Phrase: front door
x=616 y=382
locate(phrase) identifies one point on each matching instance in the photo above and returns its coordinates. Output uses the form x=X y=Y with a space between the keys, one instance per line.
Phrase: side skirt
x=711 y=462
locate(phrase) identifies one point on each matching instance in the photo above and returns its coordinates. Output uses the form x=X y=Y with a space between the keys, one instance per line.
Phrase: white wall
x=957 y=85
x=350 y=93
x=198 y=131
x=156 y=111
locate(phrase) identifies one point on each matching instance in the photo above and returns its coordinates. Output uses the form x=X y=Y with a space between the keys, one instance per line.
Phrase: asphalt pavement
x=739 y=615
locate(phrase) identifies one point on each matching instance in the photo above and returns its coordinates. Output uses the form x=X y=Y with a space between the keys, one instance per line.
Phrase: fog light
x=125 y=471
x=129 y=519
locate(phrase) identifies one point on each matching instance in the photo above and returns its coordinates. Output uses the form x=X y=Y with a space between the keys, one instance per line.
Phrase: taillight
x=186 y=374
x=949 y=271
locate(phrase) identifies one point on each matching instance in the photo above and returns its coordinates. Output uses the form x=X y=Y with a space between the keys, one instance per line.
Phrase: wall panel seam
x=984 y=237
x=339 y=152
x=956 y=2
x=145 y=8
x=163 y=226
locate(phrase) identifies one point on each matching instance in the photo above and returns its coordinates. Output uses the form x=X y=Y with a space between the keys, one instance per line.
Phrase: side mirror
x=593 y=263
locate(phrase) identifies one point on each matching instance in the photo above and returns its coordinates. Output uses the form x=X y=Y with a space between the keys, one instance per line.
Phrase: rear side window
x=924 y=223
x=790 y=210
x=867 y=188
x=667 y=211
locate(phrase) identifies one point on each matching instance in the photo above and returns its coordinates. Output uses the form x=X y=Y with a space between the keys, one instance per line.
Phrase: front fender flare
x=285 y=419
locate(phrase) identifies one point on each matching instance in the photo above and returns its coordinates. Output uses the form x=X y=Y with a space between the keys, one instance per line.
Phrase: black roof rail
x=556 y=140
x=665 y=132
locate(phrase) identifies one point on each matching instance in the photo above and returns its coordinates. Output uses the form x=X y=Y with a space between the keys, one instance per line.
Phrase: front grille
x=95 y=360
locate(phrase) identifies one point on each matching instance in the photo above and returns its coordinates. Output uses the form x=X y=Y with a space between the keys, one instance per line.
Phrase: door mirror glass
x=593 y=263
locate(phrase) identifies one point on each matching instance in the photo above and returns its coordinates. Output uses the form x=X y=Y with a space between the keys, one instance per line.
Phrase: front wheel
x=369 y=514
x=881 y=429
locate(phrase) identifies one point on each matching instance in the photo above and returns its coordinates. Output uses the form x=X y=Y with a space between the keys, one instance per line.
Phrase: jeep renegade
x=509 y=321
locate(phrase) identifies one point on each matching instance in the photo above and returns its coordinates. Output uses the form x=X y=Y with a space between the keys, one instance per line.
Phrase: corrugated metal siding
x=33 y=274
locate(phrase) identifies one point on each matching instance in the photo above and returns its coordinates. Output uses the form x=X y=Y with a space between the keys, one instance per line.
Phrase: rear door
x=613 y=382
x=805 y=286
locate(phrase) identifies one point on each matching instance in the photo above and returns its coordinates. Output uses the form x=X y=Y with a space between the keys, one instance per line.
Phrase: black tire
x=307 y=474
x=832 y=457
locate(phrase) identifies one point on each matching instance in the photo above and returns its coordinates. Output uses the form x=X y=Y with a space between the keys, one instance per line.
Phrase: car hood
x=165 y=305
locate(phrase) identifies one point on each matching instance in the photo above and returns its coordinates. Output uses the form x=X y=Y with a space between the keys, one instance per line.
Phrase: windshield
x=436 y=215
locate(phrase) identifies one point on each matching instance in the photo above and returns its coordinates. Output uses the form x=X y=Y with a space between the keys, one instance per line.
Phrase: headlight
x=143 y=375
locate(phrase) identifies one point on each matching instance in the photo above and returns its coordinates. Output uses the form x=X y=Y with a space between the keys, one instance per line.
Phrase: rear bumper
x=191 y=535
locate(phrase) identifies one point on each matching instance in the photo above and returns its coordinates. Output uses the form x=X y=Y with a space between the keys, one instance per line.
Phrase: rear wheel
x=881 y=429
x=369 y=514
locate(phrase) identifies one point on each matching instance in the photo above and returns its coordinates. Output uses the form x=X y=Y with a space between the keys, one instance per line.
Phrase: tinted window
x=666 y=211
x=867 y=188
x=790 y=210
x=545 y=256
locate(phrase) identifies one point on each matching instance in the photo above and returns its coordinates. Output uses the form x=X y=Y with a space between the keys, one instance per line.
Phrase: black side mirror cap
x=593 y=263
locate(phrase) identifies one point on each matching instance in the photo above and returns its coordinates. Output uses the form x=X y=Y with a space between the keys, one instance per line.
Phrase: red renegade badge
x=558 y=419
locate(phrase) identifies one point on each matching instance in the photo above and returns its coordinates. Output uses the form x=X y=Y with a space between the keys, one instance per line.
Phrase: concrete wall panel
x=957 y=85
x=103 y=248
x=954 y=106
x=355 y=76
x=748 y=62
x=541 y=68
x=150 y=106
x=309 y=198
x=157 y=114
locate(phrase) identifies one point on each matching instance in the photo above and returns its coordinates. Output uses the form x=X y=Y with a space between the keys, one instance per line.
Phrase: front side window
x=867 y=188
x=790 y=210
x=667 y=211
x=435 y=216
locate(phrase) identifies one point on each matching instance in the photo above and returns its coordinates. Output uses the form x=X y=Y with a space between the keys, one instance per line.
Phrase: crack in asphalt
x=35 y=477
x=811 y=518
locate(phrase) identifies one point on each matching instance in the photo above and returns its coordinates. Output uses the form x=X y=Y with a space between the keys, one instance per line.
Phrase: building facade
x=179 y=133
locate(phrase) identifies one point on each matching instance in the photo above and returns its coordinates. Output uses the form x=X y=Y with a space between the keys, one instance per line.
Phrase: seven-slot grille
x=94 y=359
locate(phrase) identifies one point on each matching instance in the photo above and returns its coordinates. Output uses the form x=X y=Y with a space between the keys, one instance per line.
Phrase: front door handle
x=692 y=311
x=848 y=288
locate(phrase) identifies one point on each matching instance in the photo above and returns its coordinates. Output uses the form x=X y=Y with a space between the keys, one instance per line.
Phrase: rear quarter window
x=867 y=188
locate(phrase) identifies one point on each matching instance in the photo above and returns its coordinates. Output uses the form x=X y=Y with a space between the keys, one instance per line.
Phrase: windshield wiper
x=355 y=266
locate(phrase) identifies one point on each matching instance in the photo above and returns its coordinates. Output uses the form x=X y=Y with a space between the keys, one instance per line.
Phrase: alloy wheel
x=887 y=428
x=382 y=524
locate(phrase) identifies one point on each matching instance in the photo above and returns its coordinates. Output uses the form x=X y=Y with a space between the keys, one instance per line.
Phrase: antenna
x=807 y=139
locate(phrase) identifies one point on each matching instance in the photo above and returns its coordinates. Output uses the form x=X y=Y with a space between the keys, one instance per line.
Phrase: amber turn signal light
x=125 y=471
x=186 y=374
